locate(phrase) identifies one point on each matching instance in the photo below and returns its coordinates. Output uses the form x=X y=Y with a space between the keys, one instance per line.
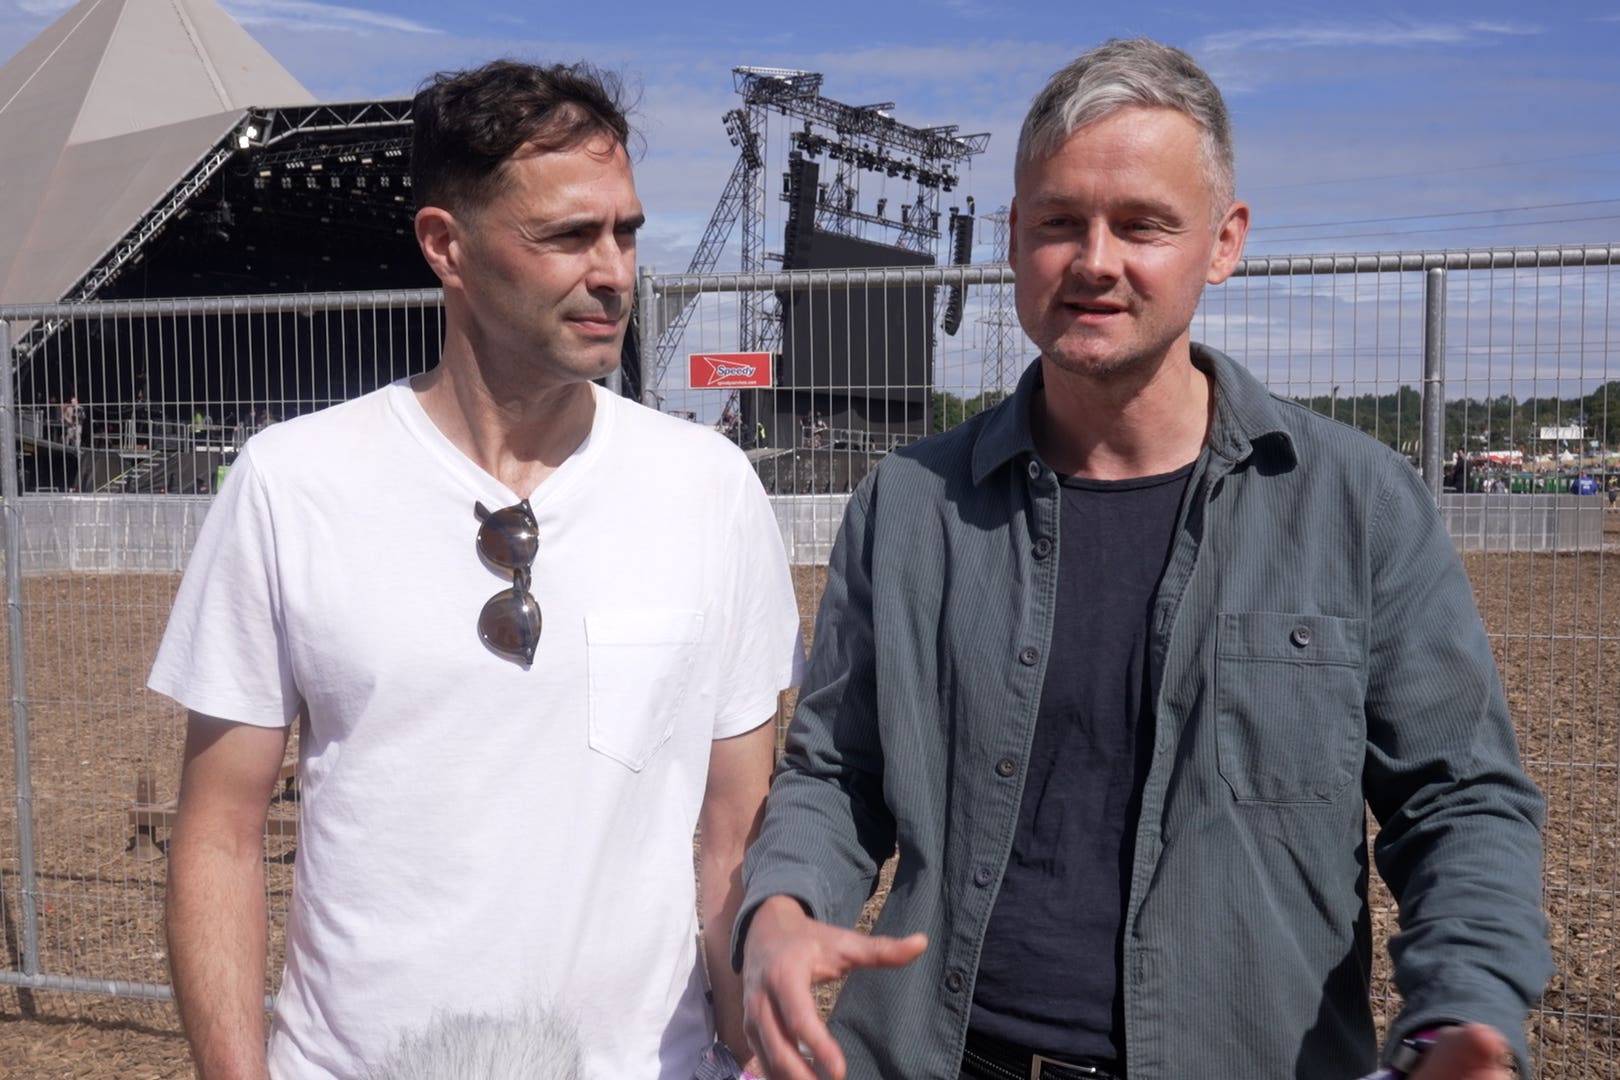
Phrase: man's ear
x=1229 y=237
x=438 y=234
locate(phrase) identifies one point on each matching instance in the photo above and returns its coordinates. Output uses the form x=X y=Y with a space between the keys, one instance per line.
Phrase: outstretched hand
x=785 y=954
x=1466 y=1052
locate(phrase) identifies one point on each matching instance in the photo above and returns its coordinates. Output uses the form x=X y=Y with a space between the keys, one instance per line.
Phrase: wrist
x=1411 y=1050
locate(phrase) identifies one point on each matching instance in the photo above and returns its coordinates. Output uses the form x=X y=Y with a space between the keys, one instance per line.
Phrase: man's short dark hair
x=467 y=124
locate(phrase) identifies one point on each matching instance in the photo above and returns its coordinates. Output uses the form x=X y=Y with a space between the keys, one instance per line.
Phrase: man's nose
x=1097 y=257
x=613 y=264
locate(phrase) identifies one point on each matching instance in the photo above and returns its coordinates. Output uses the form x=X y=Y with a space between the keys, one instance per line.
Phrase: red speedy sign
x=709 y=370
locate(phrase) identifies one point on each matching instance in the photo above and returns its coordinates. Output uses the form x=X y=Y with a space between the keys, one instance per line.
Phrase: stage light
x=883 y=204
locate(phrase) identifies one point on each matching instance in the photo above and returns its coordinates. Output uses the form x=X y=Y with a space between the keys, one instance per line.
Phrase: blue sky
x=1372 y=127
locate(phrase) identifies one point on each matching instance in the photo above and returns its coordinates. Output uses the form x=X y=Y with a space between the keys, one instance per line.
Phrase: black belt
x=1003 y=1061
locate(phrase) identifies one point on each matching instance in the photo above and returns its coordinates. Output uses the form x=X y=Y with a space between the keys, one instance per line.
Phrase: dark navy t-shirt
x=1049 y=971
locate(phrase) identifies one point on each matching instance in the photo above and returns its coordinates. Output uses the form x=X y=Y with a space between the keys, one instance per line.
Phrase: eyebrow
x=586 y=221
x=1056 y=201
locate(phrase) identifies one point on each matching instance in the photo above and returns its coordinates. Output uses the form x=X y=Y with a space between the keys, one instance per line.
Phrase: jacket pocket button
x=1300 y=636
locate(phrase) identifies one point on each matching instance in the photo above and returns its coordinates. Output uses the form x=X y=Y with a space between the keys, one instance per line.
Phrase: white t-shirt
x=477 y=835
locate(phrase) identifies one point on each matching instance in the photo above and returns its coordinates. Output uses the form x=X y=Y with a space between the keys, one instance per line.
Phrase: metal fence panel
x=169 y=390
x=1529 y=341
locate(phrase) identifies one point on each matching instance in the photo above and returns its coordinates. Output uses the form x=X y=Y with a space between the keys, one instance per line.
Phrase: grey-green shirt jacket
x=1314 y=644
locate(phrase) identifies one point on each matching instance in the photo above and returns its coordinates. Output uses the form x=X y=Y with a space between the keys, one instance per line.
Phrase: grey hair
x=532 y=1045
x=1120 y=74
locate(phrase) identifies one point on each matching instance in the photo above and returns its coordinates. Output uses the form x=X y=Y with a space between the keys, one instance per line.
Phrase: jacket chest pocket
x=1289 y=699
x=639 y=662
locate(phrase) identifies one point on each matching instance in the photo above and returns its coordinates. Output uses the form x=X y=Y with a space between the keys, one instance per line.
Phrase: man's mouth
x=1093 y=307
x=599 y=324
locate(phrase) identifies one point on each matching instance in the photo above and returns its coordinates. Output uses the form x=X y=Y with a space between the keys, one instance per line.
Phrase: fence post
x=648 y=339
x=11 y=525
x=1434 y=376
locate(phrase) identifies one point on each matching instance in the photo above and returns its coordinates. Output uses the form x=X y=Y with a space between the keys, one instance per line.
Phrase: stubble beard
x=1098 y=359
x=1095 y=368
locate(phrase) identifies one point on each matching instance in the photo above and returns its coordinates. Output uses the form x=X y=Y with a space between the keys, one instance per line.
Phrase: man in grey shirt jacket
x=1117 y=667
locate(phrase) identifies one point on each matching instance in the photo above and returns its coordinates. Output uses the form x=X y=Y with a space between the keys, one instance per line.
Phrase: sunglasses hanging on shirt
x=508 y=540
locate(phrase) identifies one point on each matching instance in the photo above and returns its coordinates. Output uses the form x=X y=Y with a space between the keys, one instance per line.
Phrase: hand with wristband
x=719 y=1063
x=1450 y=1052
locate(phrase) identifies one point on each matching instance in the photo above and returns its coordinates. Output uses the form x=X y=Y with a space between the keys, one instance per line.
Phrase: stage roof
x=102 y=114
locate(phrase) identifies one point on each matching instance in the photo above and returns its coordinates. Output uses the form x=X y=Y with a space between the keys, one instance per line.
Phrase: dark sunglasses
x=510 y=621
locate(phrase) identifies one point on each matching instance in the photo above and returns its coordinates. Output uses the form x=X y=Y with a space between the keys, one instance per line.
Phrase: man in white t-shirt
x=531 y=650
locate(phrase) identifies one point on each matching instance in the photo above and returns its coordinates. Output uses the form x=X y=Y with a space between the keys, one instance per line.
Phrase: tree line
x=1480 y=425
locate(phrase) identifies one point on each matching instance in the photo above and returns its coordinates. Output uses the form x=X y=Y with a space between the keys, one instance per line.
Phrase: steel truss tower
x=859 y=139
x=1000 y=322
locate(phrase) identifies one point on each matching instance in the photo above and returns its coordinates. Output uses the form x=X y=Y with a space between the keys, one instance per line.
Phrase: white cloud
x=306 y=15
x=970 y=9
x=44 y=7
x=1391 y=34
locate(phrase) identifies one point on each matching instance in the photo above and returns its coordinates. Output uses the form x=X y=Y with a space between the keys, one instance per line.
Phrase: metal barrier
x=1501 y=355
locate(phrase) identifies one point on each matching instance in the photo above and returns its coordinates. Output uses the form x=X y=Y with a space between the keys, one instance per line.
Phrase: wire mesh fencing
x=1494 y=371
x=118 y=424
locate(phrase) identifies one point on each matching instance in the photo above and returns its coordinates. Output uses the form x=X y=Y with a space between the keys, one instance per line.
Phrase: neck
x=1142 y=422
x=518 y=432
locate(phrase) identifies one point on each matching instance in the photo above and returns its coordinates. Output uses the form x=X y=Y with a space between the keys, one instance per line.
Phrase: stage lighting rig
x=858 y=140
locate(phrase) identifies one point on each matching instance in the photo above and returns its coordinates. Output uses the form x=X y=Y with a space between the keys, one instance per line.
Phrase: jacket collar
x=1247 y=418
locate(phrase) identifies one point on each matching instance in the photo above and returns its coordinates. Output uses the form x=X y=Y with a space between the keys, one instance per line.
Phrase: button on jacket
x=1315 y=647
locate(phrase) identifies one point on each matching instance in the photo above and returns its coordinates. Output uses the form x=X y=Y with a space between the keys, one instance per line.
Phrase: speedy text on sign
x=710 y=370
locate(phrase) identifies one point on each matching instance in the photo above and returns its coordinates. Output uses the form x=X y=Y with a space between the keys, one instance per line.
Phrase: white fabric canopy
x=102 y=114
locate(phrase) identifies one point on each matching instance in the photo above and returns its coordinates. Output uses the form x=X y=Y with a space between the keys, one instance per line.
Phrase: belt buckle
x=1038 y=1064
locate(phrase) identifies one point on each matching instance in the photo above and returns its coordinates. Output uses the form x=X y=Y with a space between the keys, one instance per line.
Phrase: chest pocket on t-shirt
x=639 y=662
x=1289 y=691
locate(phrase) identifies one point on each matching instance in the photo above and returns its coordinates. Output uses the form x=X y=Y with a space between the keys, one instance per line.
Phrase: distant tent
x=102 y=114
